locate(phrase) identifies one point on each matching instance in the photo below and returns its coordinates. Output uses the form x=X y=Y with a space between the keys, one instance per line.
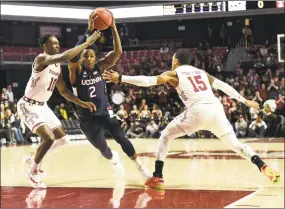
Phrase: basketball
x=103 y=19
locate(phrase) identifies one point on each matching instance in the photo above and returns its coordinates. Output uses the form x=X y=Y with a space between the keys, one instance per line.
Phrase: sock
x=158 y=168
x=257 y=161
x=35 y=166
x=114 y=160
x=138 y=162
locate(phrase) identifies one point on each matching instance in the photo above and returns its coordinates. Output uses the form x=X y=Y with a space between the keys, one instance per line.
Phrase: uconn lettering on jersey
x=88 y=82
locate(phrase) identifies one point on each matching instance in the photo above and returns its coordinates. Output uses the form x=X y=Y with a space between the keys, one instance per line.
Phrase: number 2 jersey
x=194 y=86
x=41 y=84
x=90 y=87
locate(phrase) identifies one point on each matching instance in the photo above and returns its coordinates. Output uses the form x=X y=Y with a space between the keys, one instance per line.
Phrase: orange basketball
x=103 y=19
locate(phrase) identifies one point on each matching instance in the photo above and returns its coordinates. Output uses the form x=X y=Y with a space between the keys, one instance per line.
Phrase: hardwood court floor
x=199 y=173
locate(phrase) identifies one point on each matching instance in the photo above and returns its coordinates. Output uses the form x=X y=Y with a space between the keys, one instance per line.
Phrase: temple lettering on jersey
x=53 y=73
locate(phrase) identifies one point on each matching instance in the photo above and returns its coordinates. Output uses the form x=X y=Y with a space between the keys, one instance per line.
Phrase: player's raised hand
x=111 y=75
x=253 y=104
x=113 y=22
x=91 y=21
x=91 y=39
x=88 y=105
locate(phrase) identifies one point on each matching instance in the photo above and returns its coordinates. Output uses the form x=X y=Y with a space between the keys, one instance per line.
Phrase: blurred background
x=239 y=42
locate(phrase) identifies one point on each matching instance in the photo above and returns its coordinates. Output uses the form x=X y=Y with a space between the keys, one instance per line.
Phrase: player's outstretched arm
x=112 y=57
x=230 y=91
x=64 y=91
x=44 y=59
x=145 y=81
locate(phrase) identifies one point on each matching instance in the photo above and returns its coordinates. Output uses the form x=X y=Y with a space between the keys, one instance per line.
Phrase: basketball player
x=86 y=78
x=33 y=109
x=204 y=111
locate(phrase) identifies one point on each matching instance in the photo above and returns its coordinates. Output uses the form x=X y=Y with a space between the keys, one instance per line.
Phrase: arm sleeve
x=230 y=91
x=144 y=81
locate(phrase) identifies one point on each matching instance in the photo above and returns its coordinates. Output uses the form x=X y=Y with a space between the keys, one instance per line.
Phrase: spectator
x=263 y=51
x=5 y=129
x=135 y=130
x=164 y=49
x=10 y=95
x=63 y=112
x=241 y=127
x=257 y=97
x=122 y=113
x=156 y=113
x=145 y=113
x=57 y=111
x=257 y=127
x=135 y=113
x=19 y=129
x=253 y=113
x=8 y=119
x=143 y=103
x=151 y=130
x=263 y=92
x=4 y=95
x=272 y=89
x=280 y=102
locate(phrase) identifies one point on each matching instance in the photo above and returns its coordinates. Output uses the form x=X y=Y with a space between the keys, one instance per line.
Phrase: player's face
x=175 y=62
x=52 y=45
x=88 y=58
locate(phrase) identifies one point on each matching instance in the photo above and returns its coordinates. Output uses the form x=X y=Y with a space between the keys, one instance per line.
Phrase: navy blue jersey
x=91 y=88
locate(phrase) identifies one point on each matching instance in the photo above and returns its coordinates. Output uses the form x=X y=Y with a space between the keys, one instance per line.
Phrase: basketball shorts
x=34 y=115
x=209 y=117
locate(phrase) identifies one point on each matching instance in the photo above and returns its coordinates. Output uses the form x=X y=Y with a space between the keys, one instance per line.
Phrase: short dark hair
x=183 y=56
x=43 y=39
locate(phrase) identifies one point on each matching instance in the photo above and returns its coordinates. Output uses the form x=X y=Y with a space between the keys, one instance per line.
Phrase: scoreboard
x=220 y=6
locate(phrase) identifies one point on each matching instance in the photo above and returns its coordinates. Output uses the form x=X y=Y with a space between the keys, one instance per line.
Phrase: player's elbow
x=65 y=56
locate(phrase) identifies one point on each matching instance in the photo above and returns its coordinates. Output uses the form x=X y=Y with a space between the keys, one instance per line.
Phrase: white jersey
x=194 y=86
x=41 y=84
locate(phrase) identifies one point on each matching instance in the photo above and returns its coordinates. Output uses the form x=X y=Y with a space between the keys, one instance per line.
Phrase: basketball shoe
x=35 y=179
x=273 y=175
x=29 y=160
x=155 y=182
x=117 y=166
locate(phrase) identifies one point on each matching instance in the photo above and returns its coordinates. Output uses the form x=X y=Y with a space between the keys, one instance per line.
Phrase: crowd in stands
x=146 y=111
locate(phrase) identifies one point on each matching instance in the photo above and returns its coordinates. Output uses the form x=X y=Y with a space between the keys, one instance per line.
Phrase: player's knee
x=49 y=138
x=164 y=136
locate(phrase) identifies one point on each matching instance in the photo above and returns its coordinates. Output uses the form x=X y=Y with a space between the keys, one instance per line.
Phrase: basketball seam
x=102 y=19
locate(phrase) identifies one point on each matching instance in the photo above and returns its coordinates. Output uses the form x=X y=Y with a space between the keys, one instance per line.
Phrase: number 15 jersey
x=41 y=84
x=194 y=86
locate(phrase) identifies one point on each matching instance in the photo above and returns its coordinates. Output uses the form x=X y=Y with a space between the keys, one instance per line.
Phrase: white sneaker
x=29 y=160
x=117 y=166
x=146 y=174
x=35 y=179
x=35 y=198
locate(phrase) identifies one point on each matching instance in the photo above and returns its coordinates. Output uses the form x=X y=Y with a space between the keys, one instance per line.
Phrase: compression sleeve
x=140 y=80
x=81 y=41
x=230 y=91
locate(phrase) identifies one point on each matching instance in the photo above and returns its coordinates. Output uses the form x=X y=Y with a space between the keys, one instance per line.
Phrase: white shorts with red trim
x=34 y=115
